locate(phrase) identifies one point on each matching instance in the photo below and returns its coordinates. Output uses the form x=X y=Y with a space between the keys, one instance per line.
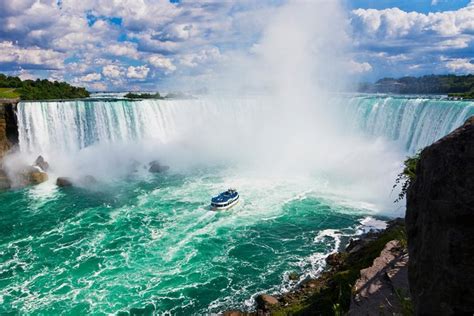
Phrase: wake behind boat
x=225 y=200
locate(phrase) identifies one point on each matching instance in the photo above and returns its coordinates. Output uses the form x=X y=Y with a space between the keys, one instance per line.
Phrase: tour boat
x=225 y=200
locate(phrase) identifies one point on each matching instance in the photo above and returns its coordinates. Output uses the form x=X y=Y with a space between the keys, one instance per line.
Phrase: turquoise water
x=153 y=241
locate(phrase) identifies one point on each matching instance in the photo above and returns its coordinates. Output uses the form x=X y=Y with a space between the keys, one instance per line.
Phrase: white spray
x=291 y=128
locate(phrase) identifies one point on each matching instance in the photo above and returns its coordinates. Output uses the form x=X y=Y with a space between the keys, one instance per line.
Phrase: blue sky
x=422 y=6
x=151 y=44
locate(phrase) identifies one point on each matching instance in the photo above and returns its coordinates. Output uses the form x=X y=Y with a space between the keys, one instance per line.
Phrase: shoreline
x=331 y=291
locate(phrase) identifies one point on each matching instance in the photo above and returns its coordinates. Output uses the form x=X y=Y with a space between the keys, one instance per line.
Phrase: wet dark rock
x=335 y=259
x=440 y=226
x=64 y=182
x=293 y=276
x=356 y=244
x=37 y=177
x=265 y=301
x=8 y=126
x=156 y=167
x=234 y=313
x=40 y=162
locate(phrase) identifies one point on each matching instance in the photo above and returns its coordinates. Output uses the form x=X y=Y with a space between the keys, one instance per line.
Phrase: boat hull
x=223 y=208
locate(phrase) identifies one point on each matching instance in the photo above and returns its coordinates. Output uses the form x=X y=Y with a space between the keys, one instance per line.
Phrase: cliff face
x=440 y=226
x=8 y=126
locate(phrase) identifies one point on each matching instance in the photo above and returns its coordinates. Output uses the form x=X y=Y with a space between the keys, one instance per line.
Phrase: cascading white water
x=413 y=122
x=69 y=126
x=108 y=138
x=72 y=125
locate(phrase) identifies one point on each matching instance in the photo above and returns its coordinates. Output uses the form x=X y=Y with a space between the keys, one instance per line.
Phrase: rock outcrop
x=440 y=226
x=63 y=182
x=382 y=287
x=8 y=126
x=37 y=177
x=43 y=164
x=85 y=181
x=8 y=136
x=265 y=302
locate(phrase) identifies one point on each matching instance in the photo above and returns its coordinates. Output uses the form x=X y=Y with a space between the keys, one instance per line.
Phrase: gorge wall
x=8 y=126
x=8 y=135
x=440 y=226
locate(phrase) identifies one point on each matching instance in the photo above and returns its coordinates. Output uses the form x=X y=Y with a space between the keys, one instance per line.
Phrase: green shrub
x=407 y=175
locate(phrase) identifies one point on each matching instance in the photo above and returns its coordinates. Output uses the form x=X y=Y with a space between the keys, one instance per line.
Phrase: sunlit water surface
x=153 y=240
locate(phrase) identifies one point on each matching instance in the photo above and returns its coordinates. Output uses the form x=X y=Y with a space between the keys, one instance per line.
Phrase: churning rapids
x=139 y=239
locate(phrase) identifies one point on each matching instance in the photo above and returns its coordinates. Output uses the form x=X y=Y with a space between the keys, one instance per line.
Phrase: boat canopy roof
x=225 y=196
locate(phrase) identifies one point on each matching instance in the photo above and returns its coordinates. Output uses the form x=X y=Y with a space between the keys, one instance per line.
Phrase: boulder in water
x=37 y=177
x=293 y=276
x=156 y=167
x=40 y=162
x=63 y=182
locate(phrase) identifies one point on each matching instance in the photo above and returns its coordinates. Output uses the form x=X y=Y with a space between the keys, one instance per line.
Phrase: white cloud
x=180 y=32
x=206 y=55
x=112 y=71
x=45 y=58
x=404 y=43
x=26 y=75
x=453 y=43
x=98 y=86
x=139 y=72
x=158 y=32
x=395 y=23
x=358 y=68
x=124 y=49
x=162 y=63
x=463 y=65
x=91 y=77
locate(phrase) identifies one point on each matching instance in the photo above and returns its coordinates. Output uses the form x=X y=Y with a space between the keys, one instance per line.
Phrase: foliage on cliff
x=41 y=89
x=432 y=84
x=407 y=175
x=466 y=95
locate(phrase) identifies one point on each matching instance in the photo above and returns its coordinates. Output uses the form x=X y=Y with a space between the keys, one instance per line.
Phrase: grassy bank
x=9 y=93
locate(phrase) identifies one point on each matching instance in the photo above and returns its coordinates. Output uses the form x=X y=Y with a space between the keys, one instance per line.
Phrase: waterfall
x=413 y=122
x=69 y=126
